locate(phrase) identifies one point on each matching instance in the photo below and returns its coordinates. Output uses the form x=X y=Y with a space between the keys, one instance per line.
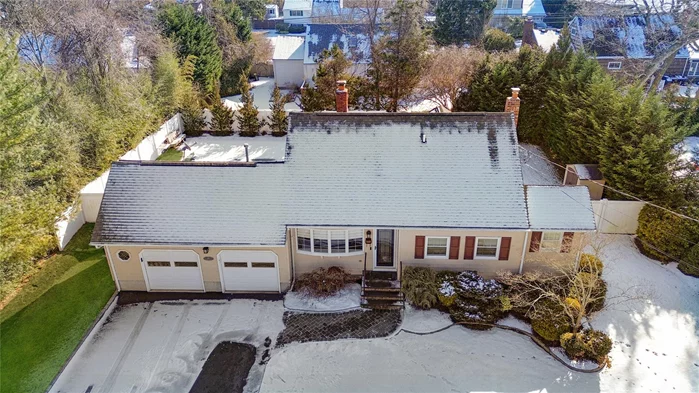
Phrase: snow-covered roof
x=573 y=209
x=693 y=50
x=546 y=39
x=588 y=172
x=533 y=8
x=368 y=169
x=627 y=36
x=288 y=48
x=351 y=38
x=298 y=4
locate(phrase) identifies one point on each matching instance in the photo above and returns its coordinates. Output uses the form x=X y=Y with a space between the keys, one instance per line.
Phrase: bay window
x=330 y=242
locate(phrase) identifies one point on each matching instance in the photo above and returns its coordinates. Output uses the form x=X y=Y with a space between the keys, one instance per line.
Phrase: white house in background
x=132 y=60
x=287 y=60
x=518 y=9
x=352 y=39
x=271 y=11
x=297 y=11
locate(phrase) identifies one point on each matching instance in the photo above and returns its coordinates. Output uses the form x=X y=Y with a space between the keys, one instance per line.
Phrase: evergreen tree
x=332 y=67
x=637 y=154
x=462 y=21
x=194 y=36
x=221 y=118
x=495 y=40
x=247 y=116
x=279 y=120
x=400 y=54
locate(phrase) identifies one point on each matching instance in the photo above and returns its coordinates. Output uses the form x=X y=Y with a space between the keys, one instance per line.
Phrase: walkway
x=304 y=327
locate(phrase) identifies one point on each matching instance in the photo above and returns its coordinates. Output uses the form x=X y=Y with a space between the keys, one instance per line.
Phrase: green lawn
x=171 y=154
x=42 y=326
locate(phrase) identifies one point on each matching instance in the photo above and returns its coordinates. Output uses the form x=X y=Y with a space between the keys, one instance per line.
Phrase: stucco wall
x=353 y=264
x=130 y=273
x=484 y=267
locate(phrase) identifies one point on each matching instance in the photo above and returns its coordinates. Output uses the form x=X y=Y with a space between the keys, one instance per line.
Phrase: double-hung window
x=295 y=12
x=330 y=242
x=551 y=241
x=614 y=65
x=437 y=247
x=487 y=247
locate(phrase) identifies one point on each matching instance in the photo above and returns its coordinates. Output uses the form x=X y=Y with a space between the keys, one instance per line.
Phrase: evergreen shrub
x=589 y=344
x=420 y=286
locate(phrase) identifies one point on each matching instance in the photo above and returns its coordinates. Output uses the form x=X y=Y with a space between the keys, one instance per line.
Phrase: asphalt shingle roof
x=369 y=170
x=560 y=208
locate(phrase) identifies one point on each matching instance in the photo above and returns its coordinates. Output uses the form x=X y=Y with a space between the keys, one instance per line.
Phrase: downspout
x=112 y=269
x=524 y=250
x=291 y=258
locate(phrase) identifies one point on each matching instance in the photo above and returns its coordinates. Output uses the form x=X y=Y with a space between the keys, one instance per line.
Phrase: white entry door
x=172 y=270
x=254 y=271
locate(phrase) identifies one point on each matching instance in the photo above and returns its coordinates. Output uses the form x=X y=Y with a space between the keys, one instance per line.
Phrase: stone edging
x=516 y=330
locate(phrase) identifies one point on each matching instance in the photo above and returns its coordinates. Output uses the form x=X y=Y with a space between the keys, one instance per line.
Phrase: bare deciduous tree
x=448 y=71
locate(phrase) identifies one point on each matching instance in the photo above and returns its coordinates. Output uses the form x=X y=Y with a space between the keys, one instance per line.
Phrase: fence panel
x=620 y=217
x=68 y=225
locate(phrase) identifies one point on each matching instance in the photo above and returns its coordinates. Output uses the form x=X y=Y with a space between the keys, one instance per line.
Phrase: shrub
x=221 y=119
x=420 y=286
x=589 y=344
x=495 y=40
x=690 y=262
x=447 y=292
x=664 y=236
x=323 y=282
x=590 y=263
x=598 y=292
x=549 y=321
x=477 y=300
x=282 y=27
x=297 y=29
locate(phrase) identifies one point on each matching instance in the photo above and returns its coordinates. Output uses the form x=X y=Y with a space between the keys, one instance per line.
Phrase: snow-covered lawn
x=345 y=299
x=656 y=347
x=211 y=148
x=161 y=347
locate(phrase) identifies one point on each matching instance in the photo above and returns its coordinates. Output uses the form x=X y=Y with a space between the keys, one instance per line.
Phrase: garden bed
x=346 y=298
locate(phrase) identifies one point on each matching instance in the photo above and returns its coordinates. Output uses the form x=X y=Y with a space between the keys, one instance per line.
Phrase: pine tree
x=462 y=21
x=221 y=118
x=279 y=120
x=247 y=116
x=637 y=152
x=332 y=67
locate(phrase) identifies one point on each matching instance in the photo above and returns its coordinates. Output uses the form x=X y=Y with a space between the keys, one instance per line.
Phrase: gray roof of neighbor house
x=631 y=36
x=368 y=170
x=352 y=39
x=560 y=208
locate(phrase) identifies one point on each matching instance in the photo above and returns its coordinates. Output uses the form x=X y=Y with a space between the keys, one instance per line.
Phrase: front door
x=385 y=249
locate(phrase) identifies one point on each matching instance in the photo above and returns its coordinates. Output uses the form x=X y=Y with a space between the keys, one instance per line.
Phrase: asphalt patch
x=226 y=370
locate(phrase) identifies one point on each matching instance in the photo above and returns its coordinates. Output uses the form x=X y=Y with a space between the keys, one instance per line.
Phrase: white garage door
x=249 y=271
x=172 y=270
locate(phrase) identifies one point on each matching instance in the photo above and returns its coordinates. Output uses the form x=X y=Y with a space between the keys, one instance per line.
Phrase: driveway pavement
x=162 y=346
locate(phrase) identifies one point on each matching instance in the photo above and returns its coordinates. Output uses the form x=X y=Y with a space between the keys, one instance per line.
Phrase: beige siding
x=130 y=273
x=353 y=264
x=484 y=267
x=548 y=260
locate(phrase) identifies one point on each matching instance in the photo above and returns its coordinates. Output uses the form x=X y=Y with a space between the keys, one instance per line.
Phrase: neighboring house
x=506 y=9
x=543 y=38
x=271 y=11
x=628 y=43
x=287 y=60
x=692 y=67
x=132 y=59
x=348 y=11
x=297 y=11
x=364 y=191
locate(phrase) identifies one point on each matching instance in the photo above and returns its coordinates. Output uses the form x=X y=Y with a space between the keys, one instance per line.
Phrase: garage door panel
x=249 y=271
x=173 y=270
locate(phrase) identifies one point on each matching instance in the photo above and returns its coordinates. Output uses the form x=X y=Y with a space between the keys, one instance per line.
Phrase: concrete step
x=382 y=306
x=386 y=298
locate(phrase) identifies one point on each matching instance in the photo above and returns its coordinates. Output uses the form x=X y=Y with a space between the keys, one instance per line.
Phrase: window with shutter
x=469 y=247
x=505 y=244
x=454 y=244
x=419 y=247
x=436 y=247
x=567 y=242
x=535 y=243
x=487 y=247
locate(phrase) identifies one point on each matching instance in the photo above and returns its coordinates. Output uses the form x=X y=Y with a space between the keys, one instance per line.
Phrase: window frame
x=446 y=253
x=328 y=252
x=497 y=247
x=693 y=68
x=118 y=254
x=295 y=13
x=609 y=65
x=547 y=249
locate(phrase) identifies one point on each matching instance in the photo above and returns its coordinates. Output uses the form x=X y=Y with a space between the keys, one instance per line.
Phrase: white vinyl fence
x=617 y=216
x=91 y=195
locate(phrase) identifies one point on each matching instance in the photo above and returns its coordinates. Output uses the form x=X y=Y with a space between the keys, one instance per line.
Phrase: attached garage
x=172 y=270
x=251 y=271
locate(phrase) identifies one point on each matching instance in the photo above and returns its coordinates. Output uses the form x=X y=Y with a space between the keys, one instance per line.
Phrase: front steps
x=381 y=291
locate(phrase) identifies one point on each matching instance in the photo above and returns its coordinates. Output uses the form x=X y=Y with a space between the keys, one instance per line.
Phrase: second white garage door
x=254 y=271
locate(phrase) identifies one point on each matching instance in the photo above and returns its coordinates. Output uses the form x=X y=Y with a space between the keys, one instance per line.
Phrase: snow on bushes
x=323 y=282
x=589 y=344
x=477 y=300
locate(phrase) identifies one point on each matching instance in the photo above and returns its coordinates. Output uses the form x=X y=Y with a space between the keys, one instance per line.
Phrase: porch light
x=206 y=250
x=368 y=237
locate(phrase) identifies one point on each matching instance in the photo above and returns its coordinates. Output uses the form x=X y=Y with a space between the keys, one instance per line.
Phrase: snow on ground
x=211 y=148
x=262 y=96
x=536 y=171
x=162 y=346
x=347 y=298
x=516 y=323
x=690 y=148
x=422 y=321
x=656 y=347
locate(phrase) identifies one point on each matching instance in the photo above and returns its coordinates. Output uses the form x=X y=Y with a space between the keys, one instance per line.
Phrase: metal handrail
x=364 y=274
x=400 y=282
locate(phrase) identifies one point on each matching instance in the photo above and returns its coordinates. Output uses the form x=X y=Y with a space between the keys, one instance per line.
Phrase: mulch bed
x=226 y=370
x=130 y=297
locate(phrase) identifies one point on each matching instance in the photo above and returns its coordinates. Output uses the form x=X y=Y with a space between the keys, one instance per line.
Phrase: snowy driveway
x=162 y=346
x=656 y=348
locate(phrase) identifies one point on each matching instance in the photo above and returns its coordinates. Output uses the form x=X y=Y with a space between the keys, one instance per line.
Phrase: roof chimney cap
x=341 y=84
x=515 y=92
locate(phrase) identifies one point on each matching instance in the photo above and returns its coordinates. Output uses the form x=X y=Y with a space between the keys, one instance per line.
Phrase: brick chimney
x=528 y=36
x=512 y=104
x=342 y=97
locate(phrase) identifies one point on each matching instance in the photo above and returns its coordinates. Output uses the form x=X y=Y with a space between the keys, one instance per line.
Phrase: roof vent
x=247 y=154
x=423 y=137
